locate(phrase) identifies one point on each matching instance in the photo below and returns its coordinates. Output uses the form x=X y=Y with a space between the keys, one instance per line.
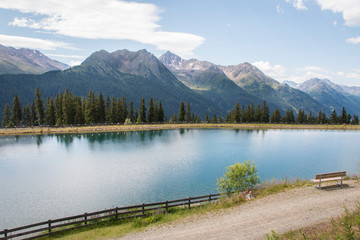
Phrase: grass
x=113 y=229
x=115 y=128
x=275 y=186
x=345 y=227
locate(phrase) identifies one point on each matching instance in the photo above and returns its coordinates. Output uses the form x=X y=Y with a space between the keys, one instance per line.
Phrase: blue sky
x=287 y=39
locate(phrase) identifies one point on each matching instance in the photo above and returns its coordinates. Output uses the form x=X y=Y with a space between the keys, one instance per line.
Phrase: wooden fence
x=49 y=227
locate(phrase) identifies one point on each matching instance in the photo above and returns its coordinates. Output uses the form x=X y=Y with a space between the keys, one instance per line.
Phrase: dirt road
x=281 y=212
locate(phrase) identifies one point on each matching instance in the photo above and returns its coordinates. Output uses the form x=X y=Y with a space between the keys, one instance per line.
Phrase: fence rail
x=49 y=227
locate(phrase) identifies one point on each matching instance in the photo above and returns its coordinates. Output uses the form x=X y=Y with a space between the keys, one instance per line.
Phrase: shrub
x=239 y=177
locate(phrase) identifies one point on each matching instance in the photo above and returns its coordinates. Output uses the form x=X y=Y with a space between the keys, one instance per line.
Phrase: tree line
x=67 y=109
x=260 y=114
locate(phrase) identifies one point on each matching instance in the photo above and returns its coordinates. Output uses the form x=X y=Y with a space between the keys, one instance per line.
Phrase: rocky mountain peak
x=25 y=60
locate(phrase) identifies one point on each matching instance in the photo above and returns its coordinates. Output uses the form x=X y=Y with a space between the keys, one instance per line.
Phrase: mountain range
x=210 y=88
x=332 y=95
x=121 y=73
x=245 y=82
x=15 y=61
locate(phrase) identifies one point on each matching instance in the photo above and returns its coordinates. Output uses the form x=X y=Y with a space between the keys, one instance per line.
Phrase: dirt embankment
x=283 y=212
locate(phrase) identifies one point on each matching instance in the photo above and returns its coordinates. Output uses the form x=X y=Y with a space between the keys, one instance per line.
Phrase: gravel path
x=281 y=212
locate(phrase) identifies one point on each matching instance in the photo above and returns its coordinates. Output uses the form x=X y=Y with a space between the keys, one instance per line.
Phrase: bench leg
x=319 y=187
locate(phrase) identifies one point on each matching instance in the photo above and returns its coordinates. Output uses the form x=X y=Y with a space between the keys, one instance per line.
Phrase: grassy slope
x=113 y=230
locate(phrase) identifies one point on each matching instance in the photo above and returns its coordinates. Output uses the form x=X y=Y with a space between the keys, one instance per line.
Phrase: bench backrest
x=330 y=175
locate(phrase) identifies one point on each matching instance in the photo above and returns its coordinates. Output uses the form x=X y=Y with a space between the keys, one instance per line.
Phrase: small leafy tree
x=238 y=178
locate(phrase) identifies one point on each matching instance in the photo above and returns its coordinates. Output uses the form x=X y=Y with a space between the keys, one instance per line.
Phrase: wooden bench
x=329 y=177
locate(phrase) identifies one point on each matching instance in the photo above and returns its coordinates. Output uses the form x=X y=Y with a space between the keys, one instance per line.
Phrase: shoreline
x=146 y=127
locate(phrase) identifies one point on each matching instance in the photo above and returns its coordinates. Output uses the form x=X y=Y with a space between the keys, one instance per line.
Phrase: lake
x=53 y=176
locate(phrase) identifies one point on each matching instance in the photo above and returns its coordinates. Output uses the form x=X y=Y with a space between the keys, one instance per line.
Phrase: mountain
x=15 y=61
x=251 y=85
x=121 y=73
x=332 y=95
x=208 y=80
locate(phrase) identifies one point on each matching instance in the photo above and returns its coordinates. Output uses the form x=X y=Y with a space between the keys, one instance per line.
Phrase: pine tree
x=6 y=116
x=79 y=112
x=151 y=112
x=214 y=120
x=131 y=114
x=50 y=112
x=100 y=109
x=174 y=118
x=188 y=113
x=123 y=112
x=68 y=108
x=27 y=115
x=33 y=113
x=289 y=117
x=161 y=113
x=302 y=117
x=182 y=112
x=207 y=119
x=228 y=118
x=321 y=118
x=59 y=109
x=276 y=116
x=90 y=108
x=344 y=116
x=142 y=111
x=311 y=119
x=235 y=115
x=251 y=112
x=114 y=111
x=39 y=107
x=265 y=113
x=16 y=111
x=244 y=117
x=108 y=110
x=355 y=120
x=258 y=114
x=220 y=119
x=334 y=118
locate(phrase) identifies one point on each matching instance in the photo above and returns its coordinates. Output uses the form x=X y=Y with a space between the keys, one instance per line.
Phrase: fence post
x=210 y=198
x=85 y=218
x=189 y=202
x=167 y=206
x=143 y=209
x=116 y=213
x=5 y=233
x=49 y=226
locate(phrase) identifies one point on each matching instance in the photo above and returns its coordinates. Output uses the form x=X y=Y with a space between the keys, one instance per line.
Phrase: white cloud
x=355 y=40
x=274 y=71
x=350 y=9
x=65 y=56
x=33 y=43
x=298 y=4
x=103 y=19
x=353 y=75
x=74 y=63
x=279 y=9
x=312 y=69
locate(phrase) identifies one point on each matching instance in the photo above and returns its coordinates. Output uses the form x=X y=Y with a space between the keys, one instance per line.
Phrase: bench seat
x=334 y=176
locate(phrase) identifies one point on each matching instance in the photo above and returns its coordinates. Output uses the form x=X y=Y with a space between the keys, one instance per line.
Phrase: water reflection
x=145 y=137
x=57 y=175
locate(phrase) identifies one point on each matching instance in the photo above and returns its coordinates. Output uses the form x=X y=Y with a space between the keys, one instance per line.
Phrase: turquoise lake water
x=52 y=176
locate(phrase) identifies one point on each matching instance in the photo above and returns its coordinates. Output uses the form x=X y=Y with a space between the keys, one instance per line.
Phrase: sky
x=292 y=40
